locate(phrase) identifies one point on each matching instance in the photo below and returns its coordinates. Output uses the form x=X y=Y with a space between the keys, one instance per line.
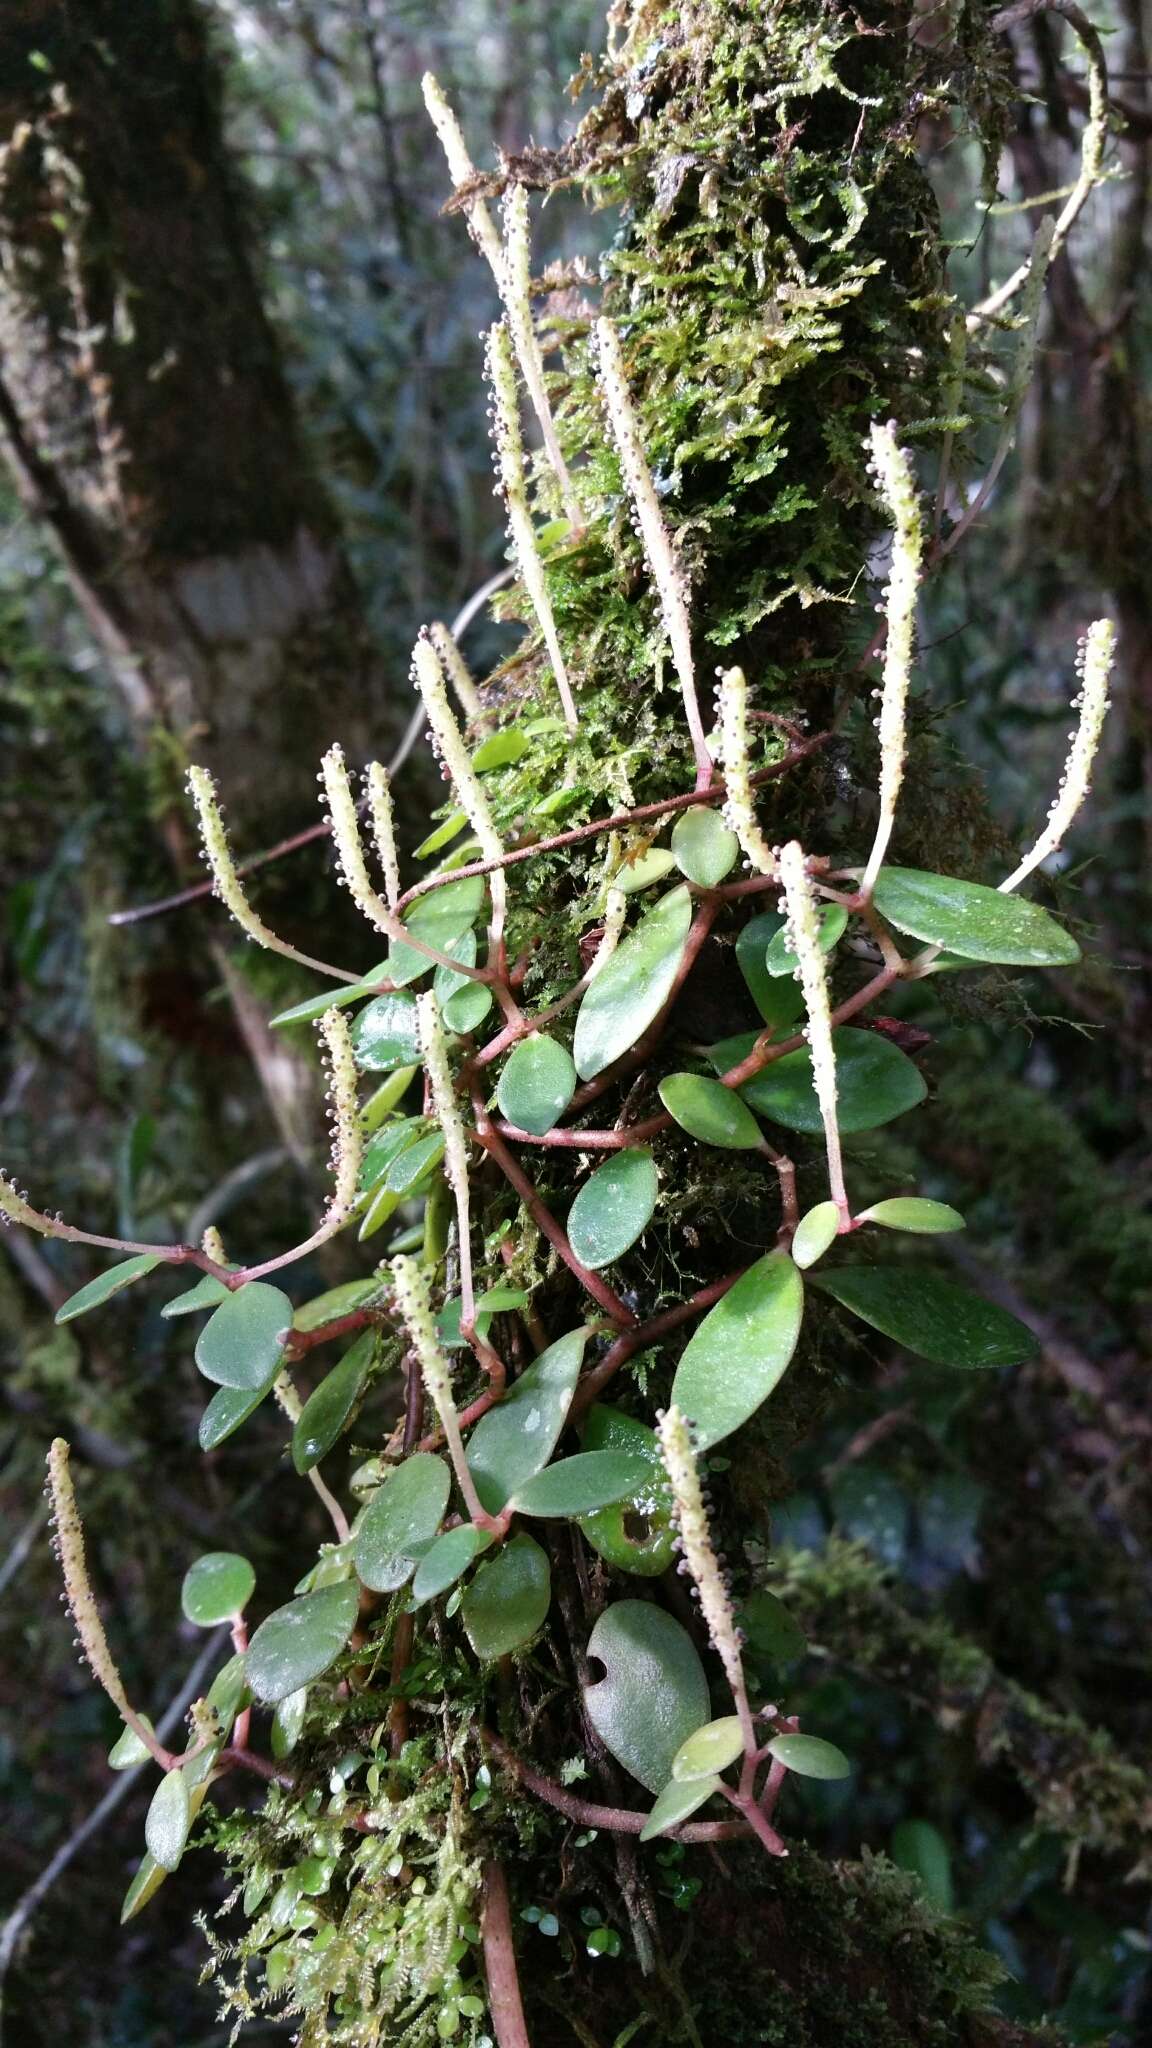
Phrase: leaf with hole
x=207 y=1293
x=331 y=999
x=106 y=1285
x=634 y=987
x=447 y=1560
x=875 y=1082
x=969 y=919
x=581 y=1484
x=228 y=1408
x=914 y=1213
x=243 y=1341
x=741 y=1349
x=810 y=1756
x=653 y=1692
x=677 y=1803
x=330 y=1406
x=168 y=1820
x=930 y=1316
x=218 y=1586
x=406 y=1511
x=385 y=1035
x=705 y=849
x=515 y=1440
x=506 y=1603
x=537 y=1084
x=637 y=1534
x=301 y=1641
x=614 y=1207
x=711 y=1113
x=780 y=959
x=780 y=1000
x=708 y=1750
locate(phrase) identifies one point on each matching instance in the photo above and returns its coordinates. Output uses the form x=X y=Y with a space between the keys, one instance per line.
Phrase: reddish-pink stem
x=543 y=1217
x=591 y=1383
x=504 y=2001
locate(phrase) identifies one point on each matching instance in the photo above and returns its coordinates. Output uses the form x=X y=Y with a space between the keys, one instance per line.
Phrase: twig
x=504 y=2001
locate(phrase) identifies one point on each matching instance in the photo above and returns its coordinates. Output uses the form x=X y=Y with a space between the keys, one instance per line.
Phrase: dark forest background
x=241 y=406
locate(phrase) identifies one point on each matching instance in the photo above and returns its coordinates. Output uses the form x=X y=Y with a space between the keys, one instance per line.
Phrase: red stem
x=543 y=1217
x=504 y=2001
x=626 y=1347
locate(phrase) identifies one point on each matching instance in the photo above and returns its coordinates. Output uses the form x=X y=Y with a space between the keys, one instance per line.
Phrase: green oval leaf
x=614 y=1207
x=207 y=1293
x=496 y=1301
x=149 y=1877
x=227 y=1693
x=242 y=1342
x=300 y=1641
x=331 y=999
x=106 y=1285
x=931 y=1316
x=741 y=1349
x=508 y=1600
x=976 y=922
x=653 y=1693
x=920 y=1848
x=438 y=919
x=383 y=1205
x=168 y=1820
x=128 y=1752
x=810 y=1757
x=704 y=847
x=411 y=1165
x=779 y=1001
x=580 y=1485
x=875 y=1082
x=446 y=983
x=326 y=1412
x=708 y=1750
x=634 y=987
x=227 y=1409
x=218 y=1586
x=780 y=959
x=771 y=1629
x=447 y=1561
x=385 y=1034
x=538 y=1083
x=814 y=1233
x=638 y=1534
x=710 y=1112
x=515 y=1439
x=387 y=1145
x=442 y=835
x=406 y=1512
x=644 y=871
x=467 y=1009
x=675 y=1804
x=500 y=750
x=334 y=1302
x=288 y=1722
x=915 y=1213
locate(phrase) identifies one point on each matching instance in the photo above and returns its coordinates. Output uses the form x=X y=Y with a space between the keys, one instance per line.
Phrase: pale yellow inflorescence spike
x=731 y=739
x=800 y=906
x=414 y=1302
x=349 y=846
x=510 y=459
x=459 y=674
x=897 y=485
x=344 y=1109
x=661 y=555
x=679 y=1457
x=378 y=790
x=450 y=746
x=434 y=1047
x=1094 y=666
x=226 y=881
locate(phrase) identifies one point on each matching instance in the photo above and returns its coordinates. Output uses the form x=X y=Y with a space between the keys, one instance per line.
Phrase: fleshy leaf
x=976 y=922
x=300 y=1641
x=406 y=1511
x=930 y=1316
x=921 y=1848
x=447 y=1561
x=330 y=999
x=771 y=1629
x=384 y=1036
x=814 y=1233
x=438 y=919
x=875 y=1082
x=500 y=750
x=467 y=1009
x=708 y=1750
x=127 y=1752
x=106 y=1285
x=634 y=987
x=810 y=1756
x=915 y=1213
x=614 y=1207
x=325 y=1413
x=228 y=1408
x=710 y=1112
x=705 y=849
x=779 y=1001
x=216 y=1587
x=242 y=1342
x=538 y=1083
x=780 y=959
x=515 y=1439
x=442 y=835
x=288 y=1722
x=675 y=1804
x=207 y=1293
x=647 y=869
x=580 y=1485
x=149 y=1877
x=168 y=1820
x=387 y=1145
x=639 y=1534
x=507 y=1601
x=653 y=1693
x=334 y=1302
x=494 y=1302
x=409 y=1168
x=741 y=1349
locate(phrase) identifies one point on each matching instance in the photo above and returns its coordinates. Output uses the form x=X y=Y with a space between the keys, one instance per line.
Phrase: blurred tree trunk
x=144 y=408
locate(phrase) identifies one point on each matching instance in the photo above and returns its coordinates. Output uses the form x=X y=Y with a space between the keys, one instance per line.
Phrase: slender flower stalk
x=347 y=1141
x=226 y=883
x=1094 y=668
x=514 y=484
x=893 y=473
x=804 y=938
x=679 y=1455
x=665 y=569
x=434 y=1047
x=732 y=746
x=453 y=753
x=459 y=675
x=415 y=1306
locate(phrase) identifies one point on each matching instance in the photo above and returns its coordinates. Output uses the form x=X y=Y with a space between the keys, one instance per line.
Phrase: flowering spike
x=344 y=1108
x=1094 y=667
x=692 y=1520
x=459 y=674
x=414 y=1303
x=739 y=806
x=804 y=939
x=16 y=1208
x=449 y=741
x=462 y=170
x=510 y=461
x=379 y=793
x=226 y=876
x=353 y=869
x=897 y=485
x=666 y=571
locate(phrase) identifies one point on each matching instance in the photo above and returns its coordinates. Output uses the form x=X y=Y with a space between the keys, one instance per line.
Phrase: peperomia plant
x=522 y=1094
